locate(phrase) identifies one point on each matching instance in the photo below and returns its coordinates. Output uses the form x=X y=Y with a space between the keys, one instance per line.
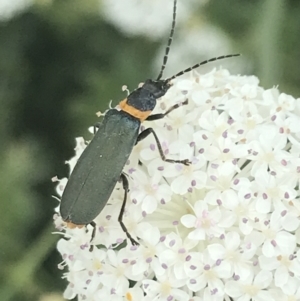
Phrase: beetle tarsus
x=162 y=115
x=124 y=180
x=93 y=224
x=149 y=131
x=184 y=162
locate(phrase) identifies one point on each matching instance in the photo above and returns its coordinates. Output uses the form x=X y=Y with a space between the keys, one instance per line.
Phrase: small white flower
x=205 y=271
x=150 y=192
x=253 y=288
x=176 y=254
x=268 y=151
x=285 y=265
x=147 y=252
x=271 y=191
x=291 y=291
x=166 y=287
x=61 y=186
x=276 y=239
x=204 y=222
x=187 y=178
x=231 y=252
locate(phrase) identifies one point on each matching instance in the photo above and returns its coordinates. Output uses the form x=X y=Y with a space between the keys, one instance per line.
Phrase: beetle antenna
x=202 y=63
x=169 y=42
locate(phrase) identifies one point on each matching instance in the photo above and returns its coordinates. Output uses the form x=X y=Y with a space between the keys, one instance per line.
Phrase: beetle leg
x=149 y=131
x=96 y=126
x=120 y=218
x=162 y=115
x=93 y=224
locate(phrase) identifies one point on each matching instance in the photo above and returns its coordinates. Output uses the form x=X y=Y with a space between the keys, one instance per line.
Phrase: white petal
x=216 y=251
x=268 y=263
x=263 y=296
x=149 y=204
x=198 y=234
x=188 y=220
x=291 y=223
x=169 y=257
x=263 y=279
x=281 y=276
x=232 y=288
x=180 y=295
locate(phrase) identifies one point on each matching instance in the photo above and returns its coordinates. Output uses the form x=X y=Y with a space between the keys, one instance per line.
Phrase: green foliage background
x=60 y=63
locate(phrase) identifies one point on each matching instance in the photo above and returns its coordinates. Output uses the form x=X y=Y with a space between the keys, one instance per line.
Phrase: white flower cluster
x=226 y=227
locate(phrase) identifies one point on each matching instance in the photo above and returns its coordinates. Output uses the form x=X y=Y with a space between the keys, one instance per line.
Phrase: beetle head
x=157 y=88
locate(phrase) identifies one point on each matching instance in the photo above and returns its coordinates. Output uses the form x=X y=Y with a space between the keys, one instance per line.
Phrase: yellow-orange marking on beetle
x=133 y=111
x=71 y=225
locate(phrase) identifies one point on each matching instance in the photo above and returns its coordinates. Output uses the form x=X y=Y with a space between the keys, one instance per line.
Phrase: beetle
x=101 y=164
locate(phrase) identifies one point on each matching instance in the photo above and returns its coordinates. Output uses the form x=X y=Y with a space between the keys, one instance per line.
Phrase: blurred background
x=61 y=61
